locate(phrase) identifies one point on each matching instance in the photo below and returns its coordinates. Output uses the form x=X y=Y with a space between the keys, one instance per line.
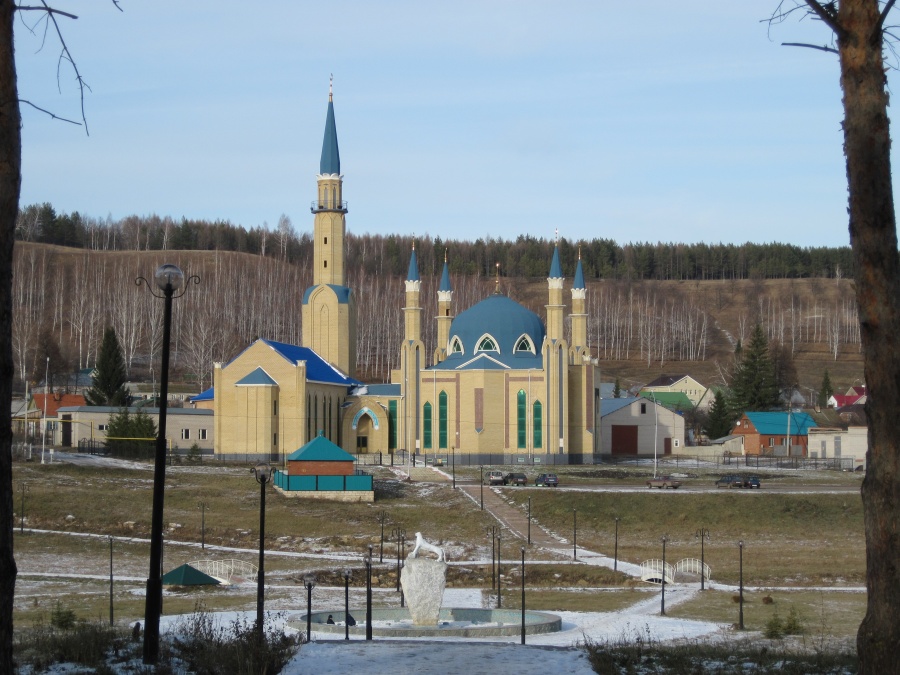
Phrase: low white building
x=639 y=426
x=848 y=445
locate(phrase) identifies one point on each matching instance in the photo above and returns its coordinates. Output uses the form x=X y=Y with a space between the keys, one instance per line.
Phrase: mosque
x=502 y=386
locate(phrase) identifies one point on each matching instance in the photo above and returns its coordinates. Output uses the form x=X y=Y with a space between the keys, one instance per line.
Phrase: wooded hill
x=638 y=329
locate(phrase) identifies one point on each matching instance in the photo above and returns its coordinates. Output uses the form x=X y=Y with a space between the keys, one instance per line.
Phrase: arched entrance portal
x=365 y=428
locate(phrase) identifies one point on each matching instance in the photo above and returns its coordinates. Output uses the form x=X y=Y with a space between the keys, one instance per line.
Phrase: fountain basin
x=452 y=622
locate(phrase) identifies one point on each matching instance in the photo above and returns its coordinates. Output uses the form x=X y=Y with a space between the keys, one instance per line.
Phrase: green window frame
x=392 y=425
x=521 y=428
x=537 y=416
x=426 y=425
x=442 y=420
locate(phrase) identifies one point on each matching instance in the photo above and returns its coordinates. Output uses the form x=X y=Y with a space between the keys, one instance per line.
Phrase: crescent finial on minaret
x=331 y=87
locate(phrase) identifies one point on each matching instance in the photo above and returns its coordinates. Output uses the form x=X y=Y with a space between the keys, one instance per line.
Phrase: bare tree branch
x=824 y=48
x=56 y=117
x=50 y=10
x=876 y=32
x=828 y=14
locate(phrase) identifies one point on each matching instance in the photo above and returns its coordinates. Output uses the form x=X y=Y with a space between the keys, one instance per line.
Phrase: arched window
x=426 y=425
x=487 y=344
x=538 y=424
x=456 y=346
x=521 y=421
x=524 y=344
x=442 y=420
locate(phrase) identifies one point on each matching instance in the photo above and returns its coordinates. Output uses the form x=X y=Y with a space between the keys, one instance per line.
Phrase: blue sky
x=650 y=121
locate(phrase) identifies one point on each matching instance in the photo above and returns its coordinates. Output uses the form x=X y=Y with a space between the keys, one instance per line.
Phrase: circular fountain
x=452 y=622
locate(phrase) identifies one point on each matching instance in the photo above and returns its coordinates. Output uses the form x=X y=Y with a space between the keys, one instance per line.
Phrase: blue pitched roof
x=203 y=396
x=342 y=293
x=258 y=377
x=331 y=158
x=579 y=276
x=384 y=389
x=611 y=405
x=320 y=449
x=317 y=368
x=776 y=423
x=413 y=273
x=445 y=279
x=555 y=267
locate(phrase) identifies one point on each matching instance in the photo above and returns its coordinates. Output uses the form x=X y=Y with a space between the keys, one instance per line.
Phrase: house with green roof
x=322 y=470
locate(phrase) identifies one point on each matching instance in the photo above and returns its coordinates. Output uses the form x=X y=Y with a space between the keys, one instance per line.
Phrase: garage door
x=624 y=439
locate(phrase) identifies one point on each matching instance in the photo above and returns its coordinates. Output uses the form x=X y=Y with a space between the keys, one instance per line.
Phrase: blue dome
x=501 y=320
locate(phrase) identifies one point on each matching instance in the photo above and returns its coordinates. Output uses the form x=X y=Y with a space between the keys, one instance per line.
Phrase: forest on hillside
x=64 y=297
x=526 y=257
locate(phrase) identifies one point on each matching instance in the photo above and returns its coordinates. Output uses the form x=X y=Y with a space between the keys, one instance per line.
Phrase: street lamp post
x=453 y=464
x=382 y=518
x=529 y=521
x=347 y=575
x=499 y=597
x=616 y=553
x=402 y=565
x=368 y=562
x=110 y=581
x=492 y=533
x=169 y=279
x=202 y=506
x=309 y=581
x=24 y=488
x=741 y=591
x=702 y=534
x=398 y=533
x=523 y=595
x=262 y=472
x=574 y=534
x=662 y=609
x=481 y=469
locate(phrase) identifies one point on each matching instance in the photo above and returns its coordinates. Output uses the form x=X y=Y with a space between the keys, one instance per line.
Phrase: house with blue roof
x=500 y=381
x=782 y=434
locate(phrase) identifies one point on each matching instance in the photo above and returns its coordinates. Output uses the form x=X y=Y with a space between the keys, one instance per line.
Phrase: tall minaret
x=579 y=315
x=329 y=307
x=412 y=362
x=444 y=317
x=555 y=306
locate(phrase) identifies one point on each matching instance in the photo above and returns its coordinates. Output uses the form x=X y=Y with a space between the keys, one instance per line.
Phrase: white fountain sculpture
x=423 y=581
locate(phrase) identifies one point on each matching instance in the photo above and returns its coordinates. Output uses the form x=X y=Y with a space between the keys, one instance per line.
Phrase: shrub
x=62 y=618
x=793 y=625
x=774 y=628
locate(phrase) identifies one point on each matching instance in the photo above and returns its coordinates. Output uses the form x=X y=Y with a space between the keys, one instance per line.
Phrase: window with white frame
x=202 y=433
x=185 y=434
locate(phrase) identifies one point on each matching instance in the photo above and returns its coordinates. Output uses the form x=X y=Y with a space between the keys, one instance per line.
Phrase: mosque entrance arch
x=366 y=428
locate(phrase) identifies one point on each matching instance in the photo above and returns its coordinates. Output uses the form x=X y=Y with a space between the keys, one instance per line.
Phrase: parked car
x=730 y=481
x=752 y=482
x=515 y=479
x=494 y=478
x=663 y=482
x=546 y=480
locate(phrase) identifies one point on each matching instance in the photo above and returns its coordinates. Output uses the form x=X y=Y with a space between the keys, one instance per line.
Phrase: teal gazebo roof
x=320 y=449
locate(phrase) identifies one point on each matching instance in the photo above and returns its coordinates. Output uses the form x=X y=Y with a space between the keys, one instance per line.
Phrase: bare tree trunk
x=10 y=182
x=858 y=26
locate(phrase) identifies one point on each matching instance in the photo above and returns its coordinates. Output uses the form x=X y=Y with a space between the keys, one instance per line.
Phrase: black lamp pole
x=398 y=533
x=262 y=472
x=481 y=468
x=616 y=554
x=402 y=565
x=169 y=279
x=499 y=598
x=369 y=594
x=703 y=533
x=202 y=506
x=529 y=521
x=662 y=609
x=574 y=534
x=523 y=595
x=453 y=463
x=110 y=581
x=309 y=581
x=741 y=593
x=382 y=518
x=347 y=575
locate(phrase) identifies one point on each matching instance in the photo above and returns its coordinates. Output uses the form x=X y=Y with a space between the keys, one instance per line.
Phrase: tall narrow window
x=442 y=420
x=275 y=408
x=392 y=425
x=538 y=425
x=426 y=425
x=521 y=421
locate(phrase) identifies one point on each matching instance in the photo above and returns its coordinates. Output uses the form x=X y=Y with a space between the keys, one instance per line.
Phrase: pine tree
x=109 y=377
x=721 y=420
x=754 y=387
x=617 y=389
x=130 y=435
x=826 y=390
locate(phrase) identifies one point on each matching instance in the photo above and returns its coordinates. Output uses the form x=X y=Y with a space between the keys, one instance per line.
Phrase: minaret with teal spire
x=329 y=307
x=445 y=316
x=413 y=311
x=555 y=306
x=579 y=314
x=412 y=361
